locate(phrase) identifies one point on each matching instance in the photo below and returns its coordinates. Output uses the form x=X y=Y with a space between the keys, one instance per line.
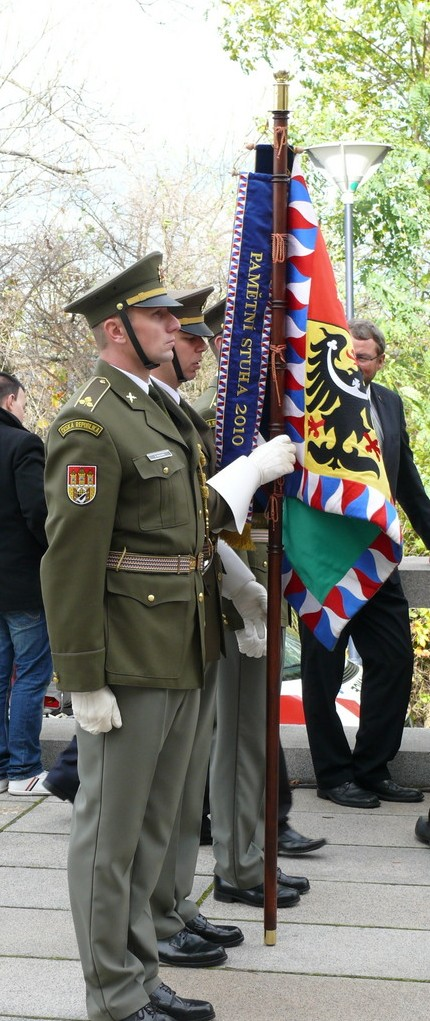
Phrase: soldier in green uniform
x=185 y=936
x=238 y=756
x=122 y=580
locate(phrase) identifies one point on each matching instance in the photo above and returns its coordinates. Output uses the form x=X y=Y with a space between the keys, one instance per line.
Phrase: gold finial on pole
x=281 y=90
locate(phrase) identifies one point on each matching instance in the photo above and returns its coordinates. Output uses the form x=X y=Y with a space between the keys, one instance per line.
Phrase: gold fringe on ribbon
x=238 y=540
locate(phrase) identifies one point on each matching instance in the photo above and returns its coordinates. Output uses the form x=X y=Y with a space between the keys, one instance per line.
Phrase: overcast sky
x=162 y=69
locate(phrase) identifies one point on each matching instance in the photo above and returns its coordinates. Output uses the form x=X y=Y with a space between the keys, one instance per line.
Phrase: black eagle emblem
x=338 y=408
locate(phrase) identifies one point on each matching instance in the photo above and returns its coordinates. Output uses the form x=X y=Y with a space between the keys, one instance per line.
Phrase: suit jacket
x=22 y=515
x=403 y=475
x=121 y=474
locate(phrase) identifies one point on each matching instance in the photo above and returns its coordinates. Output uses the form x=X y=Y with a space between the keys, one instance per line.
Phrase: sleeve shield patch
x=81 y=483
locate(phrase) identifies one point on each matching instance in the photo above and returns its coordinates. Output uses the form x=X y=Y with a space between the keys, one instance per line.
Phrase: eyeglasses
x=366 y=358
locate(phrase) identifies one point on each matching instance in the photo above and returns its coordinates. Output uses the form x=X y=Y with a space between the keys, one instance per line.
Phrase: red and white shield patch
x=81 y=483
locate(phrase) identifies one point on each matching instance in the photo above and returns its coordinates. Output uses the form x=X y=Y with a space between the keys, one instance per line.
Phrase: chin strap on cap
x=131 y=334
x=178 y=368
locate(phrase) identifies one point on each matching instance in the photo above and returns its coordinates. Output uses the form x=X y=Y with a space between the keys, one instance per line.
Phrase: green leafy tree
x=361 y=68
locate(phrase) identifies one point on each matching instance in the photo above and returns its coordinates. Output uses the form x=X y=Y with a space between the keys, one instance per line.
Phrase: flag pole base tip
x=270 y=937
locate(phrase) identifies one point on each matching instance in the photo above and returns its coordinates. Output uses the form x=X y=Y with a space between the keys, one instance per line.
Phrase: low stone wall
x=412 y=763
x=415 y=575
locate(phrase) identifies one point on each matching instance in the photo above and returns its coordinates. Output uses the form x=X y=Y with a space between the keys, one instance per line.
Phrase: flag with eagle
x=341 y=532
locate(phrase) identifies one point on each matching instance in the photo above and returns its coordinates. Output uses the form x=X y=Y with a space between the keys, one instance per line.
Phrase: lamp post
x=348 y=164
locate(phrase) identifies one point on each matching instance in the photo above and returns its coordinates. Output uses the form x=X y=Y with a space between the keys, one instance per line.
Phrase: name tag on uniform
x=156 y=455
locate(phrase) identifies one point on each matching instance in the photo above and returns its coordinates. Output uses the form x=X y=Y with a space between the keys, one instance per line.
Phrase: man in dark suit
x=360 y=777
x=24 y=643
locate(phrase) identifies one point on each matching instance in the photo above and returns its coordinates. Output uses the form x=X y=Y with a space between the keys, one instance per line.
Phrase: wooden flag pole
x=277 y=372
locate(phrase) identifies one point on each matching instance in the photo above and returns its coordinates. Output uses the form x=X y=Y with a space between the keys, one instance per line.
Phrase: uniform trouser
x=131 y=784
x=171 y=908
x=381 y=634
x=237 y=769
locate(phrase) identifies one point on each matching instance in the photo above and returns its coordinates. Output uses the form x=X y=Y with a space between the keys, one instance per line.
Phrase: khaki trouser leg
x=237 y=774
x=171 y=908
x=128 y=776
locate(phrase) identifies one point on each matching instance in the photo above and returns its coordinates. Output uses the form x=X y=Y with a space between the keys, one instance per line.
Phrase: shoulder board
x=211 y=422
x=93 y=393
x=81 y=424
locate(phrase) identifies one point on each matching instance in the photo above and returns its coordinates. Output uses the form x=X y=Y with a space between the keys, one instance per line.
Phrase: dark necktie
x=157 y=398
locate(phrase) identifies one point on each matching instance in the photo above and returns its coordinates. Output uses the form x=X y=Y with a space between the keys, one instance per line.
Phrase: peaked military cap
x=191 y=316
x=214 y=317
x=140 y=286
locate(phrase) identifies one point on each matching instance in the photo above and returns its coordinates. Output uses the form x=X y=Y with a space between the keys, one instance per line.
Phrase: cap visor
x=160 y=301
x=196 y=329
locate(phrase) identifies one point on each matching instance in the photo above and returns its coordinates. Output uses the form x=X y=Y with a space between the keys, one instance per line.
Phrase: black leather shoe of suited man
x=348 y=795
x=422 y=829
x=387 y=790
x=165 y=999
x=221 y=935
x=291 y=843
x=186 y=950
x=286 y=897
x=299 y=883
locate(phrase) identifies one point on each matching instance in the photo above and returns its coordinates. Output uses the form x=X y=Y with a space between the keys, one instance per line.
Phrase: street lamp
x=348 y=164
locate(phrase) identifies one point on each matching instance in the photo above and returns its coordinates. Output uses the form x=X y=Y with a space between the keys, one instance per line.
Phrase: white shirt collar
x=136 y=379
x=169 y=389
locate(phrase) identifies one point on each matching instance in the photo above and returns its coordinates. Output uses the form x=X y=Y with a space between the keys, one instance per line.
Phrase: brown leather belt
x=184 y=563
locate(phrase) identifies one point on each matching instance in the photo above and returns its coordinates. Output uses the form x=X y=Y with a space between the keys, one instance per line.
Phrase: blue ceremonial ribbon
x=246 y=336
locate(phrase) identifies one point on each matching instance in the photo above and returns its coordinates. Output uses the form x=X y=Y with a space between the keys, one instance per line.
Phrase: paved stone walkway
x=357 y=945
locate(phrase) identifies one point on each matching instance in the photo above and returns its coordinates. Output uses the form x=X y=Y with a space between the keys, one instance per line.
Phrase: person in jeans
x=25 y=657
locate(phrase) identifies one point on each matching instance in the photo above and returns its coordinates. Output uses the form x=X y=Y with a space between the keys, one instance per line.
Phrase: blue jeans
x=24 y=644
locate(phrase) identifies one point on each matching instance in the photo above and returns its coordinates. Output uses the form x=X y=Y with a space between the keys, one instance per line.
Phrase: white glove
x=251 y=602
x=250 y=643
x=96 y=711
x=273 y=459
x=238 y=482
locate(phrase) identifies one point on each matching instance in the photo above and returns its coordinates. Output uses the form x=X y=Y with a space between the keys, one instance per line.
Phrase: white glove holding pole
x=272 y=460
x=238 y=482
x=96 y=711
x=250 y=643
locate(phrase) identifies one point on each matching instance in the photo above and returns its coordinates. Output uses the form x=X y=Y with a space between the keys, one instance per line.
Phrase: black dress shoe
x=165 y=999
x=148 y=1013
x=221 y=935
x=348 y=795
x=422 y=829
x=387 y=790
x=286 y=898
x=292 y=843
x=299 y=883
x=186 y=950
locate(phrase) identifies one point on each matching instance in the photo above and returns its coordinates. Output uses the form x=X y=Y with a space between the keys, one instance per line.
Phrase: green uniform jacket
x=120 y=474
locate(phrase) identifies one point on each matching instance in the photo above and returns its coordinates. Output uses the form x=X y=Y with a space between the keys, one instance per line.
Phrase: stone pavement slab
x=34 y=887
x=356 y=946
